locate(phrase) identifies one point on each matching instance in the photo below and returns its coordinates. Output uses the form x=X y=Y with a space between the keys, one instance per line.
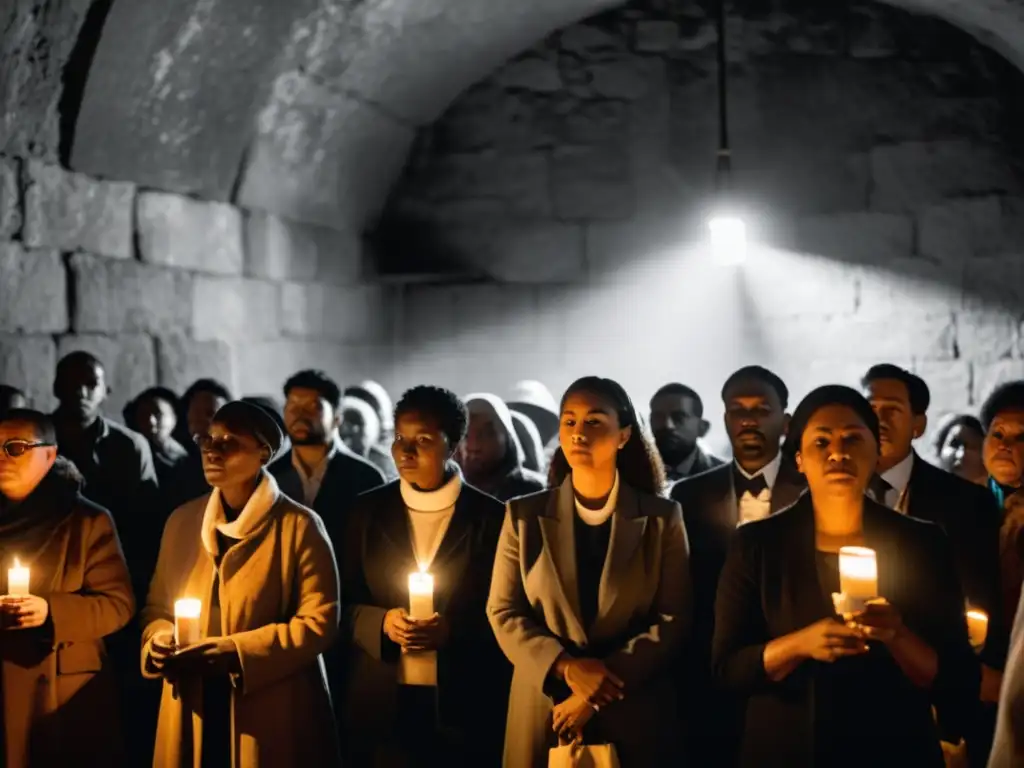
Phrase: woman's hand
x=879 y=621
x=24 y=611
x=214 y=657
x=398 y=626
x=591 y=680
x=569 y=717
x=828 y=640
x=428 y=634
x=161 y=649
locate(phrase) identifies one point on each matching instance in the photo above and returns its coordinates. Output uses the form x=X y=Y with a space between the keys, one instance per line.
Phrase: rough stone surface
x=33 y=290
x=302 y=310
x=277 y=249
x=29 y=362
x=857 y=238
x=656 y=36
x=531 y=74
x=10 y=197
x=988 y=335
x=996 y=281
x=950 y=384
x=115 y=296
x=234 y=309
x=71 y=211
x=181 y=360
x=129 y=361
x=547 y=253
x=592 y=183
x=176 y=231
x=911 y=286
x=987 y=376
x=954 y=229
x=263 y=366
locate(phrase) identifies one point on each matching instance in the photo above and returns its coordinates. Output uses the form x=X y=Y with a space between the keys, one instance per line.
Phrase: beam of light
x=728 y=239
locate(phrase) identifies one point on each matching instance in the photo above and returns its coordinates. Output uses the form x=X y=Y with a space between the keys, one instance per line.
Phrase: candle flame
x=976 y=614
x=17 y=563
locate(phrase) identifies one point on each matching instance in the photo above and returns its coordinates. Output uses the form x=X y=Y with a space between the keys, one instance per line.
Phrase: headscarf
x=371 y=392
x=371 y=421
x=535 y=400
x=529 y=438
x=514 y=453
x=241 y=416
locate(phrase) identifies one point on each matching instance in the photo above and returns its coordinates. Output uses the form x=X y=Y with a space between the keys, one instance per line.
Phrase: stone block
x=586 y=122
x=996 y=281
x=33 y=290
x=489 y=118
x=278 y=249
x=302 y=309
x=590 y=42
x=29 y=363
x=949 y=382
x=953 y=231
x=894 y=338
x=592 y=183
x=857 y=238
x=800 y=180
x=634 y=247
x=770 y=289
x=114 y=296
x=528 y=253
x=128 y=359
x=263 y=366
x=10 y=197
x=655 y=36
x=181 y=360
x=231 y=308
x=176 y=231
x=358 y=314
x=530 y=74
x=909 y=286
x=909 y=175
x=626 y=78
x=342 y=257
x=987 y=376
x=987 y=335
x=71 y=211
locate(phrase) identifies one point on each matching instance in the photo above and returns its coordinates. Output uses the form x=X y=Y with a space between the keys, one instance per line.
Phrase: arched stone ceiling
x=308 y=108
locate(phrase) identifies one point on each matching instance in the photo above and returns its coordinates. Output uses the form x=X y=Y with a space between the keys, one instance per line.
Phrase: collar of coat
x=250 y=520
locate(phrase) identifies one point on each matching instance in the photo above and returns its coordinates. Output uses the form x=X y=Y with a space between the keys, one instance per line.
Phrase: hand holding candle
x=187 y=612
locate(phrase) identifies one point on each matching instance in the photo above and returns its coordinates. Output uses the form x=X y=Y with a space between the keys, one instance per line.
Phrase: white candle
x=186 y=621
x=858 y=575
x=977 y=627
x=17 y=579
x=419 y=667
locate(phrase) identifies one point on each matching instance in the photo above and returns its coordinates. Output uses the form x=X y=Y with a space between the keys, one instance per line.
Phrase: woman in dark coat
x=820 y=692
x=429 y=520
x=590 y=598
x=60 y=703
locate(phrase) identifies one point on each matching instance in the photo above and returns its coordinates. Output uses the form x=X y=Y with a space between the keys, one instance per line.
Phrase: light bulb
x=728 y=239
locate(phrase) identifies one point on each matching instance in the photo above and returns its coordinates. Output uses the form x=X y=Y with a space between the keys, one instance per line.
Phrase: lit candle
x=419 y=667
x=858 y=575
x=977 y=627
x=17 y=579
x=186 y=621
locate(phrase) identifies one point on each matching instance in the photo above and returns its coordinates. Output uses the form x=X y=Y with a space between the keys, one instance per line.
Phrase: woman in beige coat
x=252 y=692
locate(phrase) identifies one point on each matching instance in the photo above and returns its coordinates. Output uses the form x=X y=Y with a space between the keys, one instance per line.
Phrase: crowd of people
x=478 y=580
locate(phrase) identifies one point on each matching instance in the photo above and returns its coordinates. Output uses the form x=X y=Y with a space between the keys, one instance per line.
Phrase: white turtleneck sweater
x=598 y=516
x=430 y=512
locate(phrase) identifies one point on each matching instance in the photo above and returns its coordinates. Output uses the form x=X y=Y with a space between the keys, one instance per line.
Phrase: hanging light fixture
x=727 y=229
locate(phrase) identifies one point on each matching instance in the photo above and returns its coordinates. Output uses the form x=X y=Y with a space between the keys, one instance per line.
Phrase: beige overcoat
x=279 y=604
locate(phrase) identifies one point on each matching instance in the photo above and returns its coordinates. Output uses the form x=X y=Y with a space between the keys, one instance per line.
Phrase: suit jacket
x=643 y=617
x=711 y=513
x=346 y=477
x=770 y=587
x=702 y=462
x=1008 y=746
x=473 y=676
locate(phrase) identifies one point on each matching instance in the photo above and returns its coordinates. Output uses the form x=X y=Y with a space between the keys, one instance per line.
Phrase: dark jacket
x=346 y=477
x=770 y=587
x=473 y=676
x=702 y=462
x=60 y=703
x=711 y=717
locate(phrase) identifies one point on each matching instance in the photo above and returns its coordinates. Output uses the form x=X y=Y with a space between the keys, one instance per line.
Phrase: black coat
x=473 y=674
x=711 y=718
x=770 y=587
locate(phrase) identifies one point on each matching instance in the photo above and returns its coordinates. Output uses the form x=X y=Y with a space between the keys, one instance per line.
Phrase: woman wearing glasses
x=251 y=692
x=59 y=700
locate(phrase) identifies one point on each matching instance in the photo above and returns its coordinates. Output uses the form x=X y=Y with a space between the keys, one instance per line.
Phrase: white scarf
x=249 y=520
x=435 y=500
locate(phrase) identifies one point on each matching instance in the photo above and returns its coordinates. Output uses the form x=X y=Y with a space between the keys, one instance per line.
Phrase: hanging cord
x=723 y=165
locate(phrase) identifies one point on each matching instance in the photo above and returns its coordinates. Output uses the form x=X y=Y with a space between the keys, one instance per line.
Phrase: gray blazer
x=643 y=617
x=1008 y=745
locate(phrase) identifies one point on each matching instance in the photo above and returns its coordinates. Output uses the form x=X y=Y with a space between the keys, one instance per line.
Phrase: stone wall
x=874 y=157
x=166 y=289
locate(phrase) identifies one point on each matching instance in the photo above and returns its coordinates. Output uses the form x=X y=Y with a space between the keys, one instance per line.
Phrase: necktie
x=754 y=485
x=878 y=489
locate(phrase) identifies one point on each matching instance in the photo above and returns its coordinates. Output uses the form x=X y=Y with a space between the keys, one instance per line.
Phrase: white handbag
x=577 y=755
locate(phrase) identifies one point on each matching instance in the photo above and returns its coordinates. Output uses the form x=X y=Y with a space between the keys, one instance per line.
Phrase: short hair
x=41 y=423
x=763 y=375
x=830 y=394
x=159 y=393
x=212 y=386
x=78 y=357
x=681 y=390
x=1008 y=396
x=319 y=382
x=443 y=404
x=954 y=420
x=917 y=390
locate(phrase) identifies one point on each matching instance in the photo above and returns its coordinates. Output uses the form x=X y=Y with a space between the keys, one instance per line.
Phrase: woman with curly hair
x=590 y=596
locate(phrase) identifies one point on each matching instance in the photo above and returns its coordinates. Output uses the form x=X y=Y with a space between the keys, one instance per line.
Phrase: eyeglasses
x=16 y=448
x=225 y=446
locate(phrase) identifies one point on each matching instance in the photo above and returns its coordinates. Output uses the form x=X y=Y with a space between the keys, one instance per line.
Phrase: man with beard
x=677 y=420
x=966 y=511
x=758 y=482
x=319 y=471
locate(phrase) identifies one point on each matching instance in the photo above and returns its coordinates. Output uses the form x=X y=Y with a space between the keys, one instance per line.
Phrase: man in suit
x=677 y=421
x=319 y=471
x=966 y=511
x=758 y=482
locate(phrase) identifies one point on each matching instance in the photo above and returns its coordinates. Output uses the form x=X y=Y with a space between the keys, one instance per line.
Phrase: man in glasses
x=79 y=592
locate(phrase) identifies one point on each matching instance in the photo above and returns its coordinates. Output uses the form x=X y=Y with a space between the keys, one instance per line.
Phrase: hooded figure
x=529 y=438
x=534 y=400
x=361 y=431
x=491 y=455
